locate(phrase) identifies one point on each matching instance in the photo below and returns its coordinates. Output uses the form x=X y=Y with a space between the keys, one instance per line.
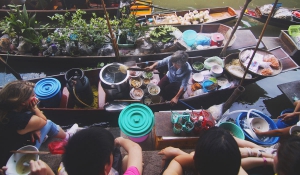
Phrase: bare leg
x=61 y=134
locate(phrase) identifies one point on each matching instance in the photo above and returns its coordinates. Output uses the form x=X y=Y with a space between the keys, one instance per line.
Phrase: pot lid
x=47 y=88
x=136 y=120
x=217 y=37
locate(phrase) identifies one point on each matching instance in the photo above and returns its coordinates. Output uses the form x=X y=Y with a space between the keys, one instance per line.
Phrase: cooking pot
x=113 y=81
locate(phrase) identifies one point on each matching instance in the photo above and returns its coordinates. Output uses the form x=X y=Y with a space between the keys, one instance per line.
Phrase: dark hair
x=179 y=57
x=217 y=153
x=288 y=156
x=13 y=95
x=88 y=151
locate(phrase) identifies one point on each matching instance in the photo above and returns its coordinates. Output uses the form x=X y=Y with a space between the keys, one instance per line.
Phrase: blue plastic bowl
x=281 y=124
x=189 y=37
x=207 y=83
x=268 y=141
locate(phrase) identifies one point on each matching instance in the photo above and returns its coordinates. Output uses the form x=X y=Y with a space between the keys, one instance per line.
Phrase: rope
x=79 y=99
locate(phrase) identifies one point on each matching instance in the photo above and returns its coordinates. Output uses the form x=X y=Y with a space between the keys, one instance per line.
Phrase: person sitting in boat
x=285 y=117
x=21 y=121
x=90 y=151
x=218 y=147
x=174 y=83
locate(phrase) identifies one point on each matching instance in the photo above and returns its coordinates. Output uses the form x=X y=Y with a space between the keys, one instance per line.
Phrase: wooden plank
x=290 y=89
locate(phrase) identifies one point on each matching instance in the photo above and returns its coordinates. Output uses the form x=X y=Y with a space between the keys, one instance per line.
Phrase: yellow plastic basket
x=294 y=30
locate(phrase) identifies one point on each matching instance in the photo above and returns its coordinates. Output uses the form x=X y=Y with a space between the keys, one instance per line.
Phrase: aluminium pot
x=113 y=81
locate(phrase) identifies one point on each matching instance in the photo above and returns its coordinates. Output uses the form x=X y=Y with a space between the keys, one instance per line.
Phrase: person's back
x=287 y=160
x=216 y=153
x=90 y=150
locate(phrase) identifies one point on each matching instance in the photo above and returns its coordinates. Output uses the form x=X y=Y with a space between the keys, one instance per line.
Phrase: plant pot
x=124 y=45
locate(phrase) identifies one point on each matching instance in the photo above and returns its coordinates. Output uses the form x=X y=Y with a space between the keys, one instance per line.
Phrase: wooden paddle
x=16 y=74
x=29 y=152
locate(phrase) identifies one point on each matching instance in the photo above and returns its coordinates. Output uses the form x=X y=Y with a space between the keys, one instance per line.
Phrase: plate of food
x=135 y=73
x=234 y=67
x=136 y=93
x=264 y=63
x=136 y=82
x=148 y=75
x=198 y=66
x=153 y=89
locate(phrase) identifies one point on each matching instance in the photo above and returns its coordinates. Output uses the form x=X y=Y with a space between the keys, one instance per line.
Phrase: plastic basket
x=234 y=129
x=294 y=30
x=267 y=141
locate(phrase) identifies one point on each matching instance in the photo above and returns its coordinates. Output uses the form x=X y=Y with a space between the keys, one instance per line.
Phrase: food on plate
x=267 y=71
x=132 y=73
x=148 y=74
x=296 y=133
x=196 y=86
x=146 y=81
x=135 y=83
x=274 y=61
x=154 y=90
x=238 y=71
x=212 y=87
x=20 y=167
x=138 y=92
x=198 y=66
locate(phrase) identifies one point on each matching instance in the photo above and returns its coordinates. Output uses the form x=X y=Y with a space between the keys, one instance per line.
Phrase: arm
x=135 y=157
x=183 y=86
x=179 y=93
x=244 y=143
x=273 y=133
x=296 y=112
x=37 y=121
x=157 y=64
x=242 y=172
x=171 y=152
x=252 y=162
x=178 y=163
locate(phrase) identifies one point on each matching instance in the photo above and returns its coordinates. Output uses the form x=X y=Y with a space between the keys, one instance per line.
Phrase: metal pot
x=113 y=81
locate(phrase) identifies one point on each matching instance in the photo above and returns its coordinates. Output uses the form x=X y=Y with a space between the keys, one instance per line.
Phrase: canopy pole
x=259 y=40
x=113 y=39
x=223 y=52
x=15 y=73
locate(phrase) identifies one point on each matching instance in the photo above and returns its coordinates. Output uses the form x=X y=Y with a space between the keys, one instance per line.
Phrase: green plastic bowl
x=234 y=129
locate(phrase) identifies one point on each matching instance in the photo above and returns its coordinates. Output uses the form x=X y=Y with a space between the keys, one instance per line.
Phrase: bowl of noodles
x=136 y=93
x=153 y=89
x=18 y=163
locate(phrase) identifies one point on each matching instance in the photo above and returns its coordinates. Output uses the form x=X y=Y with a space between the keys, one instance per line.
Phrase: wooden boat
x=286 y=42
x=112 y=7
x=256 y=14
x=204 y=28
x=217 y=15
x=67 y=114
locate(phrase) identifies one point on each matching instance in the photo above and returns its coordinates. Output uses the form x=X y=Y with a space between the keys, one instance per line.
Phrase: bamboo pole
x=113 y=39
x=223 y=52
x=259 y=40
x=15 y=73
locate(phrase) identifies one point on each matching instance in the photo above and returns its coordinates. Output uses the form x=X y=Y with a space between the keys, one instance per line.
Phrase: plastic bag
x=203 y=40
x=57 y=147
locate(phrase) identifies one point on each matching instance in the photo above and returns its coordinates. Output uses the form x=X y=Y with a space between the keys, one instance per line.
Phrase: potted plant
x=18 y=22
x=129 y=30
